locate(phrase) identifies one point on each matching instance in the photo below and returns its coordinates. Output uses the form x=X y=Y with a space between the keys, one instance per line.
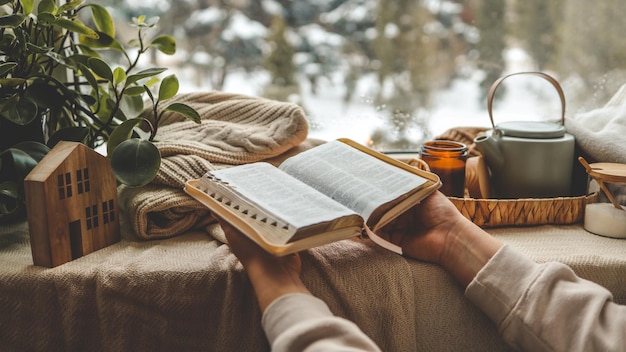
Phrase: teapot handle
x=554 y=82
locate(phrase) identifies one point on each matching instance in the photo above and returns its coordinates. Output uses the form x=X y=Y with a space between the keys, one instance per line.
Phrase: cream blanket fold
x=235 y=129
x=601 y=133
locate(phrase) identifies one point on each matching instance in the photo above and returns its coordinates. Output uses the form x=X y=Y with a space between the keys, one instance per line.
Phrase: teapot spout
x=487 y=145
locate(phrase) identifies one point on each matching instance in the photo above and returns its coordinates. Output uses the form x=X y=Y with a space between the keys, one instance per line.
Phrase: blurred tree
x=595 y=54
x=491 y=25
x=536 y=25
x=279 y=63
x=406 y=57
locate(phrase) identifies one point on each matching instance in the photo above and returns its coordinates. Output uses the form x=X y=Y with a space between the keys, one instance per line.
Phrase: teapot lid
x=532 y=129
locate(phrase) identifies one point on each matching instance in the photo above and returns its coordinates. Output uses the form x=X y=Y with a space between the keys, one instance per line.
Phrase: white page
x=289 y=199
x=357 y=180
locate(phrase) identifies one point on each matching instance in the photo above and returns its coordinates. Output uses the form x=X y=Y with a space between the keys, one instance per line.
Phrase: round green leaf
x=121 y=133
x=119 y=75
x=168 y=88
x=19 y=111
x=101 y=68
x=132 y=105
x=165 y=44
x=46 y=7
x=135 y=90
x=35 y=150
x=135 y=162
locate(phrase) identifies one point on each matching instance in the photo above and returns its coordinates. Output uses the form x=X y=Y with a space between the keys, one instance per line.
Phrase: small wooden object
x=606 y=172
x=477 y=178
x=71 y=199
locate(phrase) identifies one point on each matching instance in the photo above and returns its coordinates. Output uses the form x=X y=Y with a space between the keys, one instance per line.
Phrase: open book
x=330 y=192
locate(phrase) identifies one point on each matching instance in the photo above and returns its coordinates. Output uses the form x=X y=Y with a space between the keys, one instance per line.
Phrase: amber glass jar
x=447 y=160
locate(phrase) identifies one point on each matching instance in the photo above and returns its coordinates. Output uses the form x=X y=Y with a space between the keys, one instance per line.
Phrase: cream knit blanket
x=235 y=129
x=601 y=132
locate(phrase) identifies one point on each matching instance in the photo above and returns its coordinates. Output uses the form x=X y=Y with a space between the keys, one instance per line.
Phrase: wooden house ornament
x=71 y=200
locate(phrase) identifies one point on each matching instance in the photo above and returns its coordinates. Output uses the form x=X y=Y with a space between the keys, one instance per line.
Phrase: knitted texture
x=235 y=129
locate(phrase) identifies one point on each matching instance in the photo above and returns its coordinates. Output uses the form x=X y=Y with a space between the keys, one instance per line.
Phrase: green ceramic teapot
x=528 y=159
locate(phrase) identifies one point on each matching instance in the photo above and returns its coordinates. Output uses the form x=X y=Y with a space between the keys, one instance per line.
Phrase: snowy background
x=525 y=98
x=231 y=40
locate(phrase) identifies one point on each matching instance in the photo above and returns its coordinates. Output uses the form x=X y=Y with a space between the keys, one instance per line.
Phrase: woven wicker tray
x=524 y=212
x=494 y=212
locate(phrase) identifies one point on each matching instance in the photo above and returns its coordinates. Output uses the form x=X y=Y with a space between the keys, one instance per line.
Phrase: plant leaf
x=165 y=44
x=11 y=21
x=168 y=88
x=45 y=7
x=132 y=105
x=184 y=110
x=103 y=41
x=35 y=150
x=46 y=18
x=16 y=164
x=70 y=5
x=119 y=75
x=121 y=133
x=7 y=67
x=76 y=26
x=73 y=134
x=103 y=20
x=19 y=111
x=28 y=6
x=91 y=79
x=11 y=201
x=135 y=162
x=101 y=68
x=11 y=82
x=144 y=74
x=134 y=90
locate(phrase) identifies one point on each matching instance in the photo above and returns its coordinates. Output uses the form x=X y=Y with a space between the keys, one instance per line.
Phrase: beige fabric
x=235 y=129
x=189 y=293
x=601 y=133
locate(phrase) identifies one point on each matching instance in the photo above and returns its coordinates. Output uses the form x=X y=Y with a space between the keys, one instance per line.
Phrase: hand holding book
x=330 y=192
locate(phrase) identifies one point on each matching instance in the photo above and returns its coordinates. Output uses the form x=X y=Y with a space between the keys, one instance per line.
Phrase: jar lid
x=608 y=172
x=532 y=129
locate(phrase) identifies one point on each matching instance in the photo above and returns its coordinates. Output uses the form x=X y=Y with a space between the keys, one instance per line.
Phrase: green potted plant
x=55 y=85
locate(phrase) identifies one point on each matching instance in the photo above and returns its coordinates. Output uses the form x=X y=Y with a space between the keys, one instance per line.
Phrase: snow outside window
x=393 y=73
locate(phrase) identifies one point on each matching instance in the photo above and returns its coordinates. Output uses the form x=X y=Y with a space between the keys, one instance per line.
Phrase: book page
x=290 y=200
x=355 y=179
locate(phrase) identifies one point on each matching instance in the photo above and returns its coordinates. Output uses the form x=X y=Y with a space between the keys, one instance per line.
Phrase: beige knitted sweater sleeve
x=235 y=129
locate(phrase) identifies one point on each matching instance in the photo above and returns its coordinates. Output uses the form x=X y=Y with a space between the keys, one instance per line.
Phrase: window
x=91 y=217
x=82 y=181
x=393 y=73
x=64 y=183
x=108 y=211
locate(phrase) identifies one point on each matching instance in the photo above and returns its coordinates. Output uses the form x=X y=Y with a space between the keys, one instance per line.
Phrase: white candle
x=606 y=220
